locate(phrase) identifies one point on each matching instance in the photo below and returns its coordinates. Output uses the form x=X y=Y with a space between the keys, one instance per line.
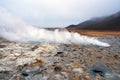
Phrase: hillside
x=111 y=22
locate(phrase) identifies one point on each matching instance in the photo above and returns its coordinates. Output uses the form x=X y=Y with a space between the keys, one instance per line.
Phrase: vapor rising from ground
x=14 y=29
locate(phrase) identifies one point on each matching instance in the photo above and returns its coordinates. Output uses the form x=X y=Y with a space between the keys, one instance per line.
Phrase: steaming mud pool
x=42 y=61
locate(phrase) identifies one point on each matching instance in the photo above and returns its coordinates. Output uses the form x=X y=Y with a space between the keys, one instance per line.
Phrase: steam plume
x=14 y=29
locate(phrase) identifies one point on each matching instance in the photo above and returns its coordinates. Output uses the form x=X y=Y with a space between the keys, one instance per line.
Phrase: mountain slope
x=111 y=22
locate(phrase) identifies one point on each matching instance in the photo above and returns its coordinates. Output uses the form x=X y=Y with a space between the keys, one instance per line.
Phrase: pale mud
x=42 y=61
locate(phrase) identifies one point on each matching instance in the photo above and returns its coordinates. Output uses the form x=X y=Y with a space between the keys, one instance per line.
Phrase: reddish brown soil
x=95 y=33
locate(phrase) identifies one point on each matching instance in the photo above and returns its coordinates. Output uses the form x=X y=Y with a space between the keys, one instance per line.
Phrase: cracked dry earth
x=42 y=61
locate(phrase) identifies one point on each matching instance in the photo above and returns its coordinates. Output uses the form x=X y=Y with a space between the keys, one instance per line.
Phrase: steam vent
x=50 y=61
x=59 y=39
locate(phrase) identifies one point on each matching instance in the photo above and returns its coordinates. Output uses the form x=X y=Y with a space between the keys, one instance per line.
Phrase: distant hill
x=111 y=22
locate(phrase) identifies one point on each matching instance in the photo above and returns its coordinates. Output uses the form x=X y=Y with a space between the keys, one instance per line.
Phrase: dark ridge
x=111 y=22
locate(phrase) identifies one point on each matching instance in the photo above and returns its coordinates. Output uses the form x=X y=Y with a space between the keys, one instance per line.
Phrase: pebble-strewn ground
x=20 y=61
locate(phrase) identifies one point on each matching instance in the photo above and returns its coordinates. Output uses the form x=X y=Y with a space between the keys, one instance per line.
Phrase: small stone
x=61 y=54
x=40 y=61
x=82 y=60
x=111 y=76
x=2 y=46
x=1 y=56
x=17 y=77
x=37 y=77
x=98 y=69
x=46 y=55
x=5 y=68
x=2 y=76
x=81 y=50
x=76 y=64
x=88 y=77
x=28 y=78
x=25 y=74
x=66 y=77
x=58 y=77
x=11 y=57
x=78 y=70
x=22 y=61
x=58 y=68
x=57 y=63
x=116 y=56
x=35 y=47
x=45 y=78
x=17 y=54
x=34 y=69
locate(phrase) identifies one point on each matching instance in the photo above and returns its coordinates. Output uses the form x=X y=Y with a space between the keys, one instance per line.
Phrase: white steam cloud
x=17 y=30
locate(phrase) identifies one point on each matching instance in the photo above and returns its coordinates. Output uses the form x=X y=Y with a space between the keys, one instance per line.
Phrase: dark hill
x=111 y=22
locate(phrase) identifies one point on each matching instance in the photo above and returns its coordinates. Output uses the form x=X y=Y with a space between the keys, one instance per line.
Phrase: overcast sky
x=59 y=13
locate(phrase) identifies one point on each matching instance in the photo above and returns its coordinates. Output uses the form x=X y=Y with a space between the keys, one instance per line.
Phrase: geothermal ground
x=95 y=32
x=42 y=61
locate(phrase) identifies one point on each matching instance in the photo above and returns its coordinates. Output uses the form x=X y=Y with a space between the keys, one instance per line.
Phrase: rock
x=65 y=75
x=116 y=56
x=22 y=61
x=47 y=48
x=25 y=74
x=28 y=78
x=35 y=47
x=46 y=55
x=12 y=58
x=5 y=68
x=40 y=61
x=32 y=70
x=82 y=60
x=45 y=78
x=98 y=69
x=81 y=50
x=17 y=77
x=1 y=56
x=2 y=46
x=58 y=77
x=78 y=70
x=17 y=54
x=112 y=76
x=76 y=64
x=61 y=54
x=26 y=49
x=37 y=77
x=2 y=76
x=58 y=68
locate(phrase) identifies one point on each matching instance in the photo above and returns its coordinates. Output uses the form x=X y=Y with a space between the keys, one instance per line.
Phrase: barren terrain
x=43 y=61
x=95 y=33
